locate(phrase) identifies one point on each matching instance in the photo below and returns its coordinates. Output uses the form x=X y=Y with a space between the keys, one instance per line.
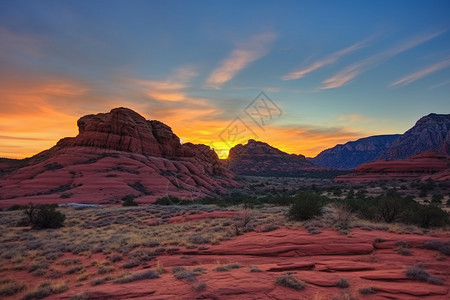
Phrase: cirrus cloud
x=246 y=53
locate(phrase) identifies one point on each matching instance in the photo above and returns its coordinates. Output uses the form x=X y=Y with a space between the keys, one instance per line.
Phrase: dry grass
x=287 y=280
x=9 y=287
x=46 y=289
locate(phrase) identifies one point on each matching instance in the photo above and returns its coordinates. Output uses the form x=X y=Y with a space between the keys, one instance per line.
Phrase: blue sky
x=337 y=70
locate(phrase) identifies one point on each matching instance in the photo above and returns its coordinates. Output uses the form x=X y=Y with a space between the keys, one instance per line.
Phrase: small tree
x=390 y=208
x=43 y=216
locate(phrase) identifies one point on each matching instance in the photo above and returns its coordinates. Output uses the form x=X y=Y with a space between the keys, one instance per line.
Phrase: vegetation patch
x=287 y=280
x=46 y=289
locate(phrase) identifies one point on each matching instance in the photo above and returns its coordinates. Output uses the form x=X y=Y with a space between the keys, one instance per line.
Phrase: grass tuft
x=287 y=280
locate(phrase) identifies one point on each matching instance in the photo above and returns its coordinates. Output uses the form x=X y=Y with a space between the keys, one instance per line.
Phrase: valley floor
x=206 y=252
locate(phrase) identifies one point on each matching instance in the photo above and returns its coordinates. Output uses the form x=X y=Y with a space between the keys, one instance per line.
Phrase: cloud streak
x=421 y=73
x=349 y=73
x=240 y=58
x=324 y=62
x=167 y=90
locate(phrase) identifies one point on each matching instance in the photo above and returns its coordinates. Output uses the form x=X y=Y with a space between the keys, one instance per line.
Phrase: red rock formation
x=259 y=158
x=116 y=154
x=422 y=166
x=355 y=257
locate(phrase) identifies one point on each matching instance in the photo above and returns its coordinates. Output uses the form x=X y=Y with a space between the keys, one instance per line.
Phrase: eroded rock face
x=431 y=132
x=259 y=158
x=116 y=154
x=352 y=154
x=423 y=166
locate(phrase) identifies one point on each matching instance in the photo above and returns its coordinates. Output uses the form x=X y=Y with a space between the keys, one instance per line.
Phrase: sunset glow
x=198 y=65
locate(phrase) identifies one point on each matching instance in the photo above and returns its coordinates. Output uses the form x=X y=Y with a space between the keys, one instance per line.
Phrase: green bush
x=437 y=198
x=306 y=206
x=128 y=200
x=168 y=200
x=43 y=216
x=426 y=216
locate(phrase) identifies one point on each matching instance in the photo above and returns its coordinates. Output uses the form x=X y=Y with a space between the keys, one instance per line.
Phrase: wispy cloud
x=440 y=84
x=240 y=58
x=421 y=73
x=324 y=62
x=170 y=89
x=353 y=118
x=349 y=73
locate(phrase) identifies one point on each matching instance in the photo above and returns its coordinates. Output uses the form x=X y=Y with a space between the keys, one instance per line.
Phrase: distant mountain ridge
x=430 y=133
x=352 y=154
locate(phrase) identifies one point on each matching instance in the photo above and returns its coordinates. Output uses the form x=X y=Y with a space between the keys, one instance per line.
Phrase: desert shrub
x=287 y=280
x=343 y=216
x=306 y=206
x=131 y=264
x=176 y=269
x=186 y=274
x=169 y=200
x=128 y=200
x=228 y=267
x=389 y=208
x=80 y=296
x=199 y=287
x=9 y=287
x=83 y=277
x=74 y=270
x=116 y=258
x=149 y=274
x=43 y=216
x=142 y=255
x=105 y=269
x=101 y=280
x=254 y=269
x=242 y=222
x=443 y=247
x=198 y=239
x=426 y=216
x=437 y=198
x=367 y=290
x=269 y=227
x=343 y=283
x=46 y=289
x=200 y=270
x=419 y=273
x=38 y=265
x=151 y=243
x=404 y=251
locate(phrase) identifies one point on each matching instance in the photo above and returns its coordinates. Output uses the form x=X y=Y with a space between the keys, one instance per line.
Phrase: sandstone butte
x=115 y=154
x=259 y=158
x=428 y=165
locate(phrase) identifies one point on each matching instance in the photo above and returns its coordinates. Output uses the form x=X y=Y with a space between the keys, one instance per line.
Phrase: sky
x=302 y=76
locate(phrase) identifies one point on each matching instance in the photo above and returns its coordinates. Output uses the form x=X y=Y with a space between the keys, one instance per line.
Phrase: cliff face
x=422 y=166
x=259 y=158
x=431 y=132
x=116 y=154
x=352 y=154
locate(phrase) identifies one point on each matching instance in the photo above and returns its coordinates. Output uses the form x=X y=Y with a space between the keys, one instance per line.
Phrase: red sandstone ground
x=320 y=260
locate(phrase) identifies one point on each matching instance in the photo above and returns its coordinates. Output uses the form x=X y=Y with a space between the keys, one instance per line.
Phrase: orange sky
x=367 y=70
x=34 y=121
